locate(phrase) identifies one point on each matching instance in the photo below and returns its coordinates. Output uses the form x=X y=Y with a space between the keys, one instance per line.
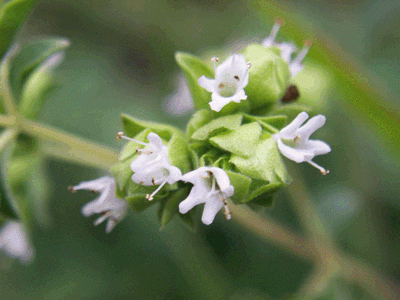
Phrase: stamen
x=151 y=196
x=236 y=77
x=296 y=138
x=221 y=85
x=71 y=189
x=102 y=218
x=214 y=60
x=303 y=52
x=323 y=171
x=278 y=23
x=249 y=64
x=227 y=213
x=121 y=135
x=143 y=151
x=153 y=180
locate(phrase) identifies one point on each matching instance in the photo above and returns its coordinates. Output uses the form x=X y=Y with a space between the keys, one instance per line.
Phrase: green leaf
x=12 y=15
x=190 y=220
x=130 y=147
x=217 y=126
x=29 y=58
x=241 y=141
x=170 y=206
x=37 y=87
x=179 y=154
x=122 y=173
x=133 y=126
x=198 y=120
x=194 y=68
x=139 y=203
x=265 y=164
x=268 y=76
x=277 y=121
x=241 y=183
x=210 y=157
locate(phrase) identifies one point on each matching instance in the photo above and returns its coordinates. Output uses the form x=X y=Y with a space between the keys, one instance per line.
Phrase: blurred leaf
x=193 y=69
x=37 y=86
x=179 y=154
x=12 y=15
x=277 y=121
x=241 y=183
x=31 y=56
x=289 y=110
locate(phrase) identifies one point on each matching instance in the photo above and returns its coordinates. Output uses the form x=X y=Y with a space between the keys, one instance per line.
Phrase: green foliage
x=194 y=68
x=268 y=76
x=12 y=15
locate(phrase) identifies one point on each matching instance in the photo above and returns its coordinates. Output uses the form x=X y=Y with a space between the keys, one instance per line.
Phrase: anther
x=119 y=135
x=153 y=180
x=236 y=77
x=249 y=64
x=280 y=21
x=296 y=138
x=214 y=60
x=307 y=43
x=227 y=213
x=71 y=189
x=149 y=197
x=140 y=182
x=221 y=85
x=93 y=191
x=324 y=172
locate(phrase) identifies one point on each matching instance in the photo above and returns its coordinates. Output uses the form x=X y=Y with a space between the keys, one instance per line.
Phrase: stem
x=7 y=120
x=5 y=90
x=272 y=231
x=75 y=156
x=6 y=137
x=74 y=147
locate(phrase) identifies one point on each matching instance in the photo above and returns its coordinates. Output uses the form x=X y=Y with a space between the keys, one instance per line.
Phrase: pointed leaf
x=265 y=164
x=241 y=141
x=193 y=69
x=198 y=120
x=29 y=58
x=217 y=126
x=12 y=15
x=170 y=205
x=179 y=153
x=241 y=183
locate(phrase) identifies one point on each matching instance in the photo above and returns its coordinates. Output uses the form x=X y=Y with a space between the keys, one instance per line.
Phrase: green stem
x=5 y=90
x=7 y=120
x=6 y=137
x=90 y=152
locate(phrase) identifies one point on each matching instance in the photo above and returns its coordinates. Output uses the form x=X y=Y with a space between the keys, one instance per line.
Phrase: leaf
x=12 y=15
x=198 y=120
x=29 y=58
x=210 y=157
x=194 y=68
x=133 y=126
x=265 y=164
x=139 y=203
x=38 y=85
x=268 y=77
x=241 y=141
x=179 y=154
x=170 y=205
x=217 y=126
x=289 y=110
x=241 y=183
x=122 y=173
x=130 y=147
x=277 y=121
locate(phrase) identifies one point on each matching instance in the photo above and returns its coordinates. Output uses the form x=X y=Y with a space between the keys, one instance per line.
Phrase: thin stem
x=75 y=156
x=73 y=145
x=7 y=136
x=272 y=231
x=5 y=90
x=7 y=120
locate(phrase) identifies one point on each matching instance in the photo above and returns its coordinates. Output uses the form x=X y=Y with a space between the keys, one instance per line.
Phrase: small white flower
x=304 y=149
x=152 y=166
x=180 y=102
x=287 y=49
x=14 y=241
x=108 y=204
x=231 y=77
x=210 y=186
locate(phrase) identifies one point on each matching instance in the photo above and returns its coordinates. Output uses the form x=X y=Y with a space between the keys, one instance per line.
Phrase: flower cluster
x=226 y=155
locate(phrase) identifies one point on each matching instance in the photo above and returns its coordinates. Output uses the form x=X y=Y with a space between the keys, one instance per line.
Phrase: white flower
x=152 y=166
x=108 y=204
x=14 y=241
x=231 y=77
x=287 y=49
x=304 y=149
x=210 y=186
x=180 y=102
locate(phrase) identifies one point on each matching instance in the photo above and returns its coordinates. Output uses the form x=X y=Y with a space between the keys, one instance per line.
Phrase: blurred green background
x=121 y=59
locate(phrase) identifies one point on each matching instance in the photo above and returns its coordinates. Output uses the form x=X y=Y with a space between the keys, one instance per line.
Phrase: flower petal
x=290 y=131
x=211 y=208
x=223 y=181
x=96 y=185
x=317 y=147
x=155 y=141
x=195 y=176
x=208 y=84
x=293 y=154
x=175 y=174
x=195 y=198
x=310 y=127
x=218 y=102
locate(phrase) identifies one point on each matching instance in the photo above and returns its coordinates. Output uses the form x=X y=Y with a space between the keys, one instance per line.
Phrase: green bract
x=268 y=77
